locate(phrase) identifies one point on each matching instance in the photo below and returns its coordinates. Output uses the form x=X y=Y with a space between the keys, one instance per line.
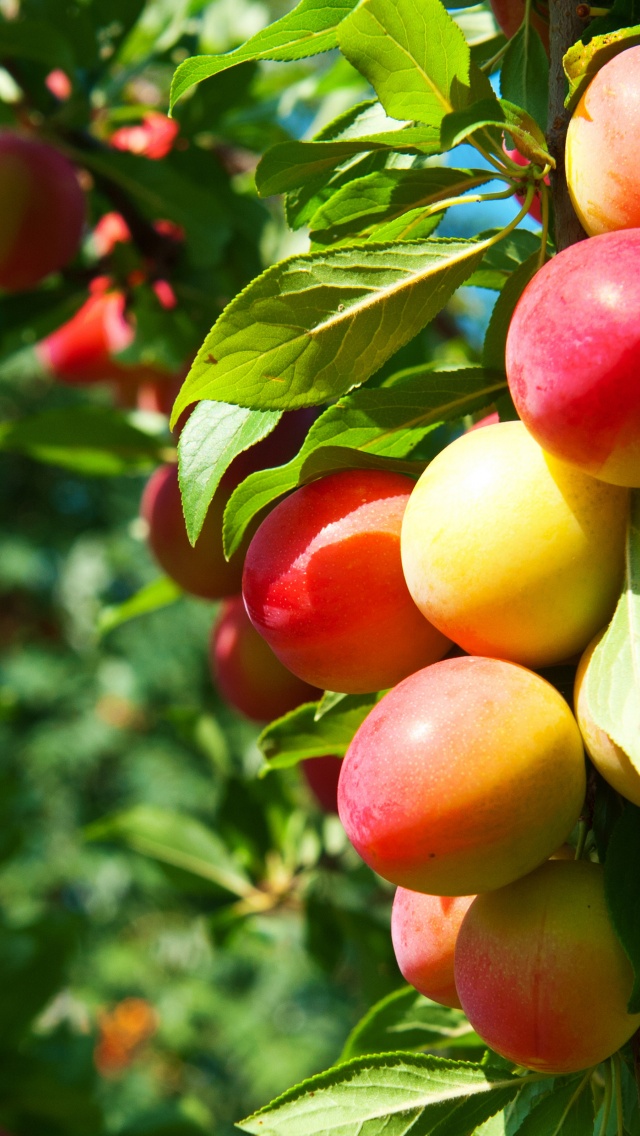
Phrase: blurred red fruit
x=42 y=211
x=322 y=775
x=153 y=137
x=246 y=671
x=59 y=83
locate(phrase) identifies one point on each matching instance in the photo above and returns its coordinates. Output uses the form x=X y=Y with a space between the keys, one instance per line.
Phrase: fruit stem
x=564 y=29
x=583 y=828
x=544 y=236
x=616 y=1068
x=606 y=1103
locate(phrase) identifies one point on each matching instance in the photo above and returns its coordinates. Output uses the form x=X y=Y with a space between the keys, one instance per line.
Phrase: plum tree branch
x=565 y=28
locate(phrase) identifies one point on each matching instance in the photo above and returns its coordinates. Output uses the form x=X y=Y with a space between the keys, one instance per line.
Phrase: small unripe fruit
x=572 y=352
x=540 y=973
x=462 y=778
x=323 y=584
x=246 y=671
x=609 y=759
x=424 y=929
x=603 y=148
x=510 y=552
x=42 y=211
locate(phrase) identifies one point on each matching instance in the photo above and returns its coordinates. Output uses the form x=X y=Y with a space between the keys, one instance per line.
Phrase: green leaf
x=407 y=1020
x=524 y=75
x=567 y=1111
x=290 y=165
x=158 y=594
x=584 y=60
x=503 y=258
x=622 y=887
x=167 y=189
x=311 y=328
x=387 y=1096
x=214 y=434
x=308 y=30
x=363 y=205
x=387 y=422
x=38 y=40
x=86 y=439
x=613 y=676
x=415 y=57
x=496 y=335
x=174 y=839
x=301 y=734
x=495 y=116
x=622 y=15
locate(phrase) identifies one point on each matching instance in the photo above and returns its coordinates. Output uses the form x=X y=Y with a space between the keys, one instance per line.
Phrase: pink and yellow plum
x=465 y=776
x=609 y=759
x=572 y=352
x=42 y=211
x=424 y=929
x=510 y=552
x=323 y=584
x=603 y=148
x=540 y=973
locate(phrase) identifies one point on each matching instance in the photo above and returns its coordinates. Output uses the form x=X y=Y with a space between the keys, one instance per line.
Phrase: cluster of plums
x=507 y=557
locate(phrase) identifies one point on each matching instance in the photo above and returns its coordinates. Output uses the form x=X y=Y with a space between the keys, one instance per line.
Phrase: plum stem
x=565 y=28
x=608 y=1096
x=616 y=1068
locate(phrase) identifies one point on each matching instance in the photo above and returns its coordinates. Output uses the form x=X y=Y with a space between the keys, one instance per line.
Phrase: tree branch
x=565 y=28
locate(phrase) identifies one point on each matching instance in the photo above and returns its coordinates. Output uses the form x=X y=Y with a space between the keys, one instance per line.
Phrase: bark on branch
x=565 y=28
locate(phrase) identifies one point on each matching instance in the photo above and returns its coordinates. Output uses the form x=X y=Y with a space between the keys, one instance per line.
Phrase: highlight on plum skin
x=540 y=972
x=323 y=584
x=465 y=776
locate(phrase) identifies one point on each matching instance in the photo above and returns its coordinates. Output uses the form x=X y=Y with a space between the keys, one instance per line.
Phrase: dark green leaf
x=524 y=75
x=415 y=57
x=301 y=734
x=292 y=164
x=407 y=1020
x=387 y=422
x=87 y=439
x=308 y=30
x=38 y=40
x=612 y=681
x=390 y=1094
x=567 y=1111
x=158 y=594
x=503 y=258
x=491 y=117
x=584 y=60
x=174 y=839
x=608 y=809
x=622 y=15
x=622 y=887
x=214 y=434
x=385 y=197
x=311 y=328
x=496 y=335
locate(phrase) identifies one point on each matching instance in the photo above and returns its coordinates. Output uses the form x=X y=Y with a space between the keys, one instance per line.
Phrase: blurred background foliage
x=180 y=939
